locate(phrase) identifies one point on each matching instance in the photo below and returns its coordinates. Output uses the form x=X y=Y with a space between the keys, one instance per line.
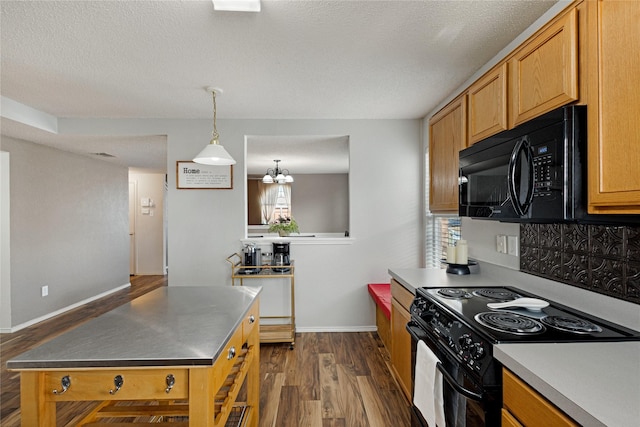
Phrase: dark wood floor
x=328 y=380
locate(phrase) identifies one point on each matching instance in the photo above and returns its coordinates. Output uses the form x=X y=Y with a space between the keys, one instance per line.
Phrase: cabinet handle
x=252 y=318
x=117 y=381
x=171 y=380
x=232 y=353
x=66 y=383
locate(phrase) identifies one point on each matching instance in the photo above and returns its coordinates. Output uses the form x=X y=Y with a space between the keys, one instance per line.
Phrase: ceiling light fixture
x=237 y=5
x=277 y=175
x=214 y=153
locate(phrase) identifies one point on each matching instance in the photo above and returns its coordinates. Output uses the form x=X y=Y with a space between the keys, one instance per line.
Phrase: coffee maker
x=280 y=257
x=252 y=257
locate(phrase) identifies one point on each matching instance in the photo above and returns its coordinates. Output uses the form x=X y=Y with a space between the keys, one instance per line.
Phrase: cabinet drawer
x=250 y=321
x=401 y=294
x=228 y=357
x=529 y=407
x=136 y=383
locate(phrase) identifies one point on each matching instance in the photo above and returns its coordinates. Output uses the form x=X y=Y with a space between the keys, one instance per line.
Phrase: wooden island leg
x=35 y=407
x=201 y=392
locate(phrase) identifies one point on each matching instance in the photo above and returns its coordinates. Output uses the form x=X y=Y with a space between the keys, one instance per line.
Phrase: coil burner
x=571 y=324
x=510 y=322
x=454 y=293
x=496 y=294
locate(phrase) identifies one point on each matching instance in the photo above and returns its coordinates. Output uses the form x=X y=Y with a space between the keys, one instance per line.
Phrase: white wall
x=69 y=229
x=481 y=238
x=5 y=238
x=321 y=202
x=206 y=226
x=149 y=223
x=385 y=209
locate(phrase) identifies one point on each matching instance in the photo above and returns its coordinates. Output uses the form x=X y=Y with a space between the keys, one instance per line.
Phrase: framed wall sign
x=194 y=176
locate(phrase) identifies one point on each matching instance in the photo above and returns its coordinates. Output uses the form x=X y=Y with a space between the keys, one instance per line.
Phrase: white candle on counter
x=462 y=252
x=451 y=254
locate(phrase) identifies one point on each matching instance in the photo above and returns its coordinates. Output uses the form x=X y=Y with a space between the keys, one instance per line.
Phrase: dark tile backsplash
x=599 y=258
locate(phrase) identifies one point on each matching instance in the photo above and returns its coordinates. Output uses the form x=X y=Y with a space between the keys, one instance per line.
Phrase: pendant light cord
x=214 y=134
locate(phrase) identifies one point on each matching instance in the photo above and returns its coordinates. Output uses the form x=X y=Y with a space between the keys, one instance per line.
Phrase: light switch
x=512 y=245
x=501 y=243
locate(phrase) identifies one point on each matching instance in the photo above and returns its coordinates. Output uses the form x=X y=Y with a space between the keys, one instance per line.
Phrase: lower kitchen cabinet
x=523 y=406
x=401 y=300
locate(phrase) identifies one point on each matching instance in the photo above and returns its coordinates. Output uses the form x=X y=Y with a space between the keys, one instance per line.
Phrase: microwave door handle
x=529 y=156
x=523 y=146
x=457 y=387
x=511 y=181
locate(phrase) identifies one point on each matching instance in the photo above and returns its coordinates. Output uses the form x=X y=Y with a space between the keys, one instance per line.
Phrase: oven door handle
x=457 y=387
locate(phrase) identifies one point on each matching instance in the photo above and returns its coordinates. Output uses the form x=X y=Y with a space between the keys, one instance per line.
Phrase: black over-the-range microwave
x=535 y=172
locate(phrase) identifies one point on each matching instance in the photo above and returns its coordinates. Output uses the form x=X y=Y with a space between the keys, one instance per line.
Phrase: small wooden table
x=274 y=332
x=187 y=349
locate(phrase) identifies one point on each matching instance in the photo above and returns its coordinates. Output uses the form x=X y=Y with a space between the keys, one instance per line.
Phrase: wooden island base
x=221 y=392
x=144 y=394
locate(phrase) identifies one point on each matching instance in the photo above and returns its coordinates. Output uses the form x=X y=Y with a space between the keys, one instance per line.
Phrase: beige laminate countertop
x=412 y=278
x=597 y=384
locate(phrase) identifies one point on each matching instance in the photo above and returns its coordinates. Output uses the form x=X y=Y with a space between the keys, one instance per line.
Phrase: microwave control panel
x=544 y=166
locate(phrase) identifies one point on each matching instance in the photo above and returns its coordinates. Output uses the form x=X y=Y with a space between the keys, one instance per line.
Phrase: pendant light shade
x=214 y=153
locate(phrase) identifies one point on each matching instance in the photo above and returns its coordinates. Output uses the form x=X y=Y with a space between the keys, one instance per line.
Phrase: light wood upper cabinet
x=488 y=105
x=613 y=106
x=543 y=73
x=447 y=136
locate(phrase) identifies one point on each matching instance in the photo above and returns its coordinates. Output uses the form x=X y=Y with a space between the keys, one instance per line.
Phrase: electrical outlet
x=501 y=243
x=512 y=245
x=45 y=291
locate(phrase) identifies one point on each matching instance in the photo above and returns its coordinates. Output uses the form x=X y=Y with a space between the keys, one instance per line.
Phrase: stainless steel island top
x=171 y=326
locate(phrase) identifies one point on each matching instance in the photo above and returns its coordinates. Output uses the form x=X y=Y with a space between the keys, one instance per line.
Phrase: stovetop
x=554 y=323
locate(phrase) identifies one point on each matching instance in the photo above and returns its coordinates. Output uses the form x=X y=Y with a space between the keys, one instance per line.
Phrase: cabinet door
x=508 y=420
x=401 y=347
x=488 y=105
x=447 y=136
x=614 y=110
x=529 y=407
x=544 y=71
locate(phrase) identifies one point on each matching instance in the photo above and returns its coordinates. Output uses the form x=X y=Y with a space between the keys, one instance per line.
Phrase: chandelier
x=214 y=153
x=277 y=175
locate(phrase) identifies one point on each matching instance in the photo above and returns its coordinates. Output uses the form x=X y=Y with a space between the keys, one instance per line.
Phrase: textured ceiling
x=315 y=59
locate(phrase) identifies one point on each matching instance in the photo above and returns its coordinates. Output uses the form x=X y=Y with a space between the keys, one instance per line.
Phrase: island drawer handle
x=66 y=383
x=252 y=318
x=117 y=381
x=171 y=380
x=232 y=353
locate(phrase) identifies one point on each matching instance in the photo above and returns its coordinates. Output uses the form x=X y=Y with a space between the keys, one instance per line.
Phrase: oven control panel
x=466 y=346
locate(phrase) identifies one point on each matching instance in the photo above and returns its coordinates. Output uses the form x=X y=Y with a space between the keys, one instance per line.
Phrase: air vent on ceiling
x=103 y=154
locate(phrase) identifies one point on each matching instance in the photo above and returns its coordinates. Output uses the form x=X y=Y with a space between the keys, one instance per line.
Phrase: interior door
x=133 y=189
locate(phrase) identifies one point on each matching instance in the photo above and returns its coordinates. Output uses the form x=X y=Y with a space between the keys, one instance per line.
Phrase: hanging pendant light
x=280 y=176
x=214 y=153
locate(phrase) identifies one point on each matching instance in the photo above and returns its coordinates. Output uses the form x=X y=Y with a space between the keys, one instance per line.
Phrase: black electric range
x=554 y=323
x=461 y=327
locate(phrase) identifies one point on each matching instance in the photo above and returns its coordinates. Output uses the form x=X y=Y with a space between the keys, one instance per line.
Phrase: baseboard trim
x=336 y=329
x=62 y=310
